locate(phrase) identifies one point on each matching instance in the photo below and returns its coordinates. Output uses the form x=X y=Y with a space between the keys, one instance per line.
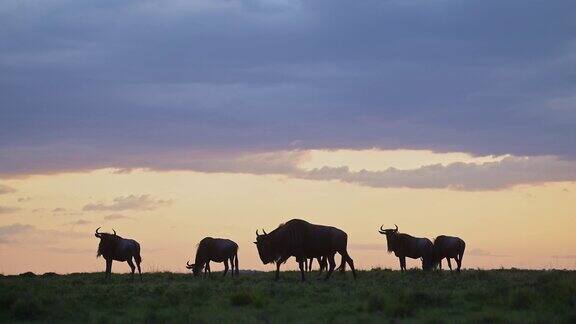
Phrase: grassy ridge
x=377 y=295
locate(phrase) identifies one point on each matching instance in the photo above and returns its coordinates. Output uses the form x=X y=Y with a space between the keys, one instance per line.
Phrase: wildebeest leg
x=302 y=266
x=309 y=266
x=132 y=267
x=232 y=266
x=278 y=263
x=138 y=261
x=440 y=264
x=225 y=267
x=459 y=261
x=108 y=268
x=346 y=257
x=402 y=263
x=236 y=264
x=207 y=269
x=321 y=264
x=449 y=263
x=332 y=266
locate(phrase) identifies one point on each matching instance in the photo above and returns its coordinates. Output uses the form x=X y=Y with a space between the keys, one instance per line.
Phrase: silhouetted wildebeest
x=449 y=247
x=303 y=240
x=217 y=250
x=115 y=248
x=404 y=245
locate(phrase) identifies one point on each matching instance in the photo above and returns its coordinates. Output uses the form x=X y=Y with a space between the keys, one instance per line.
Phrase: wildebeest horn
x=264 y=232
x=97 y=234
x=396 y=228
x=382 y=230
x=257 y=233
x=114 y=231
x=188 y=263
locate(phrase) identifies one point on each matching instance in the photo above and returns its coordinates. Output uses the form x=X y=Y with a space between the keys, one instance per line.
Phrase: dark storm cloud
x=111 y=84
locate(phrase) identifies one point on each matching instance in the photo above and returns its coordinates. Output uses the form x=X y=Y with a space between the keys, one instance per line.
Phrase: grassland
x=377 y=296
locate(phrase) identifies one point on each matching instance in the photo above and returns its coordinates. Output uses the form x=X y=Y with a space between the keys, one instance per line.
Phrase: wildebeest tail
x=236 y=263
x=137 y=256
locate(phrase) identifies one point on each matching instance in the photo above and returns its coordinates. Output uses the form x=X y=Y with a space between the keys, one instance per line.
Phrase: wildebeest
x=449 y=247
x=404 y=245
x=303 y=240
x=217 y=250
x=115 y=248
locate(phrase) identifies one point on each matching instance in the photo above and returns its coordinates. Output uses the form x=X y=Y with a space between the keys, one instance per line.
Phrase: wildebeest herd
x=295 y=238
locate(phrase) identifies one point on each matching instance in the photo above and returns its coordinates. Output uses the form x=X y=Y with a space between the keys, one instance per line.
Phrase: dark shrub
x=28 y=274
x=50 y=274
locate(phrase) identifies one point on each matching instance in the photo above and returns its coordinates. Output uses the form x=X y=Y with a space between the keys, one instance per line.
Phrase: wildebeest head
x=107 y=242
x=391 y=234
x=194 y=268
x=265 y=250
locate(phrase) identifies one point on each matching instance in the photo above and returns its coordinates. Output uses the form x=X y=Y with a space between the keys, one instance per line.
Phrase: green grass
x=474 y=296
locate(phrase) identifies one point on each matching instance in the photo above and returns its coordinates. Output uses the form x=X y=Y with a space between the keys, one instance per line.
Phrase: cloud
x=112 y=217
x=6 y=190
x=8 y=209
x=132 y=202
x=61 y=211
x=25 y=234
x=484 y=253
x=81 y=222
x=287 y=75
x=496 y=175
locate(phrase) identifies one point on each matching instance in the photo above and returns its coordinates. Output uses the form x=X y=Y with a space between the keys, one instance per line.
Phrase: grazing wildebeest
x=303 y=240
x=404 y=245
x=115 y=248
x=449 y=247
x=217 y=250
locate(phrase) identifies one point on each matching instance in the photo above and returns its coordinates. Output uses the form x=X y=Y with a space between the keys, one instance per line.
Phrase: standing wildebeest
x=303 y=240
x=217 y=250
x=449 y=247
x=113 y=247
x=404 y=245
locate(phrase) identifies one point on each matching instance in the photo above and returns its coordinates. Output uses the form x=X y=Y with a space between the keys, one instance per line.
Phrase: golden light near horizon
x=526 y=226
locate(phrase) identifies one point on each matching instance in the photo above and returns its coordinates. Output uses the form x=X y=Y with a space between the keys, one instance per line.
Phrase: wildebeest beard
x=390 y=240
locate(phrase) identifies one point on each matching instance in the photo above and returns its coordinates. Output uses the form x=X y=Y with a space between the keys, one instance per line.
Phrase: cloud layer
x=132 y=202
x=201 y=85
x=496 y=175
x=112 y=81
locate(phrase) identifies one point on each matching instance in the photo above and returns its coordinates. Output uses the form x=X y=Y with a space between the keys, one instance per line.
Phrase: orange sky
x=52 y=218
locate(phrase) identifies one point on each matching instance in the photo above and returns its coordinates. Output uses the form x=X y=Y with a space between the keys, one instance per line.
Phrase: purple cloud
x=200 y=81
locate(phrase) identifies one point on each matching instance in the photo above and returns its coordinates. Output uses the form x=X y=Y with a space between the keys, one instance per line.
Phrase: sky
x=174 y=120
